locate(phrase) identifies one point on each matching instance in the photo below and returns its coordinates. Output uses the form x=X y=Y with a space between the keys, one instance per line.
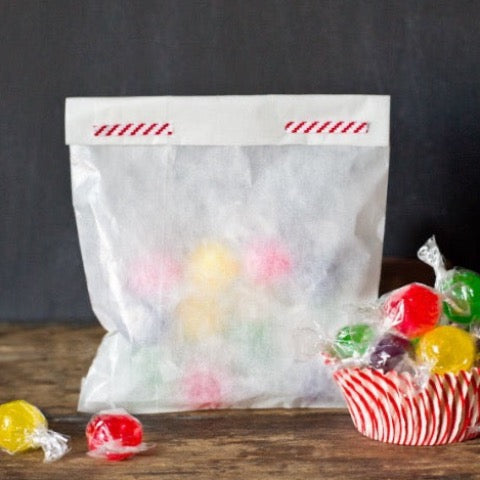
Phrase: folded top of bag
x=359 y=120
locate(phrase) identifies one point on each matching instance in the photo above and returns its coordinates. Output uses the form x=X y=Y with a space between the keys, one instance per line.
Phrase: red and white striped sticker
x=388 y=408
x=132 y=129
x=327 y=126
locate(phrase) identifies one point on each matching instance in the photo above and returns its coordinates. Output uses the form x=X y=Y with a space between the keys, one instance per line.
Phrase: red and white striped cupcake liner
x=387 y=407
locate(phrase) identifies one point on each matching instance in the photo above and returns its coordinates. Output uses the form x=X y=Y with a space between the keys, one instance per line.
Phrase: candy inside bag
x=23 y=427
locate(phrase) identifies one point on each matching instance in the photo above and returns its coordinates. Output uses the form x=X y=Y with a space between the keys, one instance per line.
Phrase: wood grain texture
x=44 y=364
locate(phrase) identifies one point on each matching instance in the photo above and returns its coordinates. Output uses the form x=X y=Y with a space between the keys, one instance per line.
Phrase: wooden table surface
x=44 y=365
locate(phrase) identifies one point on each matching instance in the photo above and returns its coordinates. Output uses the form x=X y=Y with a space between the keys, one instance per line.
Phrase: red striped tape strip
x=155 y=129
x=388 y=408
x=132 y=129
x=327 y=126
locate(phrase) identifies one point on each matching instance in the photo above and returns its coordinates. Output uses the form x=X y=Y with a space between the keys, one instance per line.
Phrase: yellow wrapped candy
x=23 y=427
x=447 y=349
x=199 y=317
x=212 y=267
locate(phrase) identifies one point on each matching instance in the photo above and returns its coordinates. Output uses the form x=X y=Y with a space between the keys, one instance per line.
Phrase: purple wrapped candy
x=388 y=352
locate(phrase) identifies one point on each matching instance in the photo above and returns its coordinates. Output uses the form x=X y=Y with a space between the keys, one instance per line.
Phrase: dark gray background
x=425 y=54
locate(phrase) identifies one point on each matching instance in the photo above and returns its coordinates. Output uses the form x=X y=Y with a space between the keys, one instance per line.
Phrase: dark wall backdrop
x=425 y=54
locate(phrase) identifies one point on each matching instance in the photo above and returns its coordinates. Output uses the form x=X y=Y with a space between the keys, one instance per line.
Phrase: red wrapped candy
x=413 y=309
x=115 y=435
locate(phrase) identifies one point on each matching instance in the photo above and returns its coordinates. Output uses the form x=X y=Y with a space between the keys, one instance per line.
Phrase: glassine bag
x=214 y=228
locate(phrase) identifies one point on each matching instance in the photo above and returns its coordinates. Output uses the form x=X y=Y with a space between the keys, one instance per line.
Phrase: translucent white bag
x=214 y=228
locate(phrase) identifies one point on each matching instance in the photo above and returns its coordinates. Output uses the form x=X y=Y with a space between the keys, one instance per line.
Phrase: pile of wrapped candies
x=196 y=300
x=416 y=326
x=112 y=435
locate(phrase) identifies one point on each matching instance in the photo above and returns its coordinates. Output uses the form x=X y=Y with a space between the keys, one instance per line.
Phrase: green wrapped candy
x=462 y=291
x=460 y=287
x=353 y=340
x=255 y=336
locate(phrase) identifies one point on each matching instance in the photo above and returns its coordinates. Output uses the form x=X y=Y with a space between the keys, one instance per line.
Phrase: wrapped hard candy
x=460 y=287
x=212 y=266
x=389 y=352
x=353 y=340
x=267 y=261
x=447 y=349
x=115 y=435
x=203 y=388
x=153 y=275
x=24 y=427
x=413 y=309
x=199 y=317
x=462 y=291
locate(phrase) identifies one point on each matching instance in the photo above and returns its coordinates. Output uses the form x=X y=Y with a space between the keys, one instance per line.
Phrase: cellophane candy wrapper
x=408 y=368
x=211 y=228
x=24 y=427
x=115 y=435
x=459 y=286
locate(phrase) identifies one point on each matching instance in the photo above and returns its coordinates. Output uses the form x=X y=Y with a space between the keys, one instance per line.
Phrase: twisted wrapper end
x=429 y=253
x=53 y=444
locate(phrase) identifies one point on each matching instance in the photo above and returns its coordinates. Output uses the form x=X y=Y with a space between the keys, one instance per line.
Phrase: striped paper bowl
x=387 y=407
